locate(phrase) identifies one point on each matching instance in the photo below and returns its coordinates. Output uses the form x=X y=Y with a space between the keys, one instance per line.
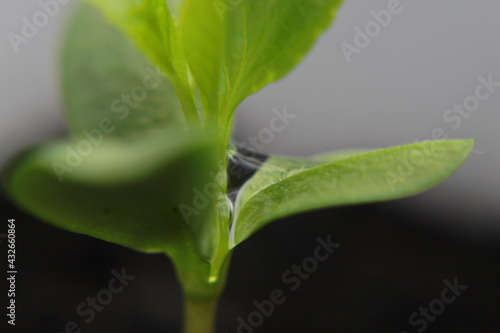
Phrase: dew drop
x=243 y=163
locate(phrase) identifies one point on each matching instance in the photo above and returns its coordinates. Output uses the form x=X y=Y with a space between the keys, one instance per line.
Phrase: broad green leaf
x=368 y=177
x=123 y=191
x=149 y=23
x=105 y=76
x=152 y=25
x=235 y=48
x=278 y=168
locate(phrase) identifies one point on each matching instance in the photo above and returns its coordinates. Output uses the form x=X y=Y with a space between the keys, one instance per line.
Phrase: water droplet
x=243 y=164
x=212 y=279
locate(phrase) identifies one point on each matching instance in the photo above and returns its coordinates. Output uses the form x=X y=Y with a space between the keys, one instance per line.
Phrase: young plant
x=149 y=164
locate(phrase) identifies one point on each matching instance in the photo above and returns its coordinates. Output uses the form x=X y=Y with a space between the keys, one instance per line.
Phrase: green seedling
x=151 y=88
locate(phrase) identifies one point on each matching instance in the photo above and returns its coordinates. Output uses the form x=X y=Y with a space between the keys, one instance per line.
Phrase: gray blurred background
x=396 y=90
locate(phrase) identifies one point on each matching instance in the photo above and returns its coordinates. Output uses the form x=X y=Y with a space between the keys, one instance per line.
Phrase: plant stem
x=189 y=107
x=200 y=314
x=201 y=293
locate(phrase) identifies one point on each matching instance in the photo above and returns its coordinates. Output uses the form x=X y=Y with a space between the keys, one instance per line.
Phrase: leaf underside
x=123 y=192
x=105 y=76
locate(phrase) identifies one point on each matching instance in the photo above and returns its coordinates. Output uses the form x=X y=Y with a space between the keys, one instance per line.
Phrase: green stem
x=184 y=89
x=200 y=314
x=201 y=289
x=190 y=110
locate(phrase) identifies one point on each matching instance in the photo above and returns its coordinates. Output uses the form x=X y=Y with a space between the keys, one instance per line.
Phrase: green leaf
x=278 y=168
x=127 y=192
x=105 y=76
x=392 y=173
x=121 y=191
x=235 y=48
x=149 y=23
x=152 y=25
